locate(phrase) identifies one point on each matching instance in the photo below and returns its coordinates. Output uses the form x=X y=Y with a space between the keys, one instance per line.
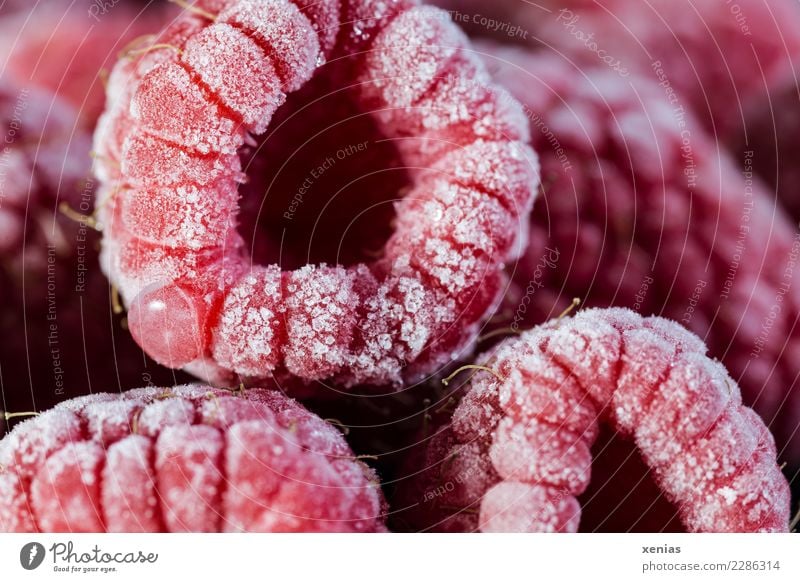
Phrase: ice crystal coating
x=189 y=458
x=517 y=452
x=179 y=110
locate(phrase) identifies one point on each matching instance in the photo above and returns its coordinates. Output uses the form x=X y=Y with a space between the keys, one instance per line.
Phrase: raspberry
x=171 y=245
x=518 y=446
x=642 y=209
x=190 y=458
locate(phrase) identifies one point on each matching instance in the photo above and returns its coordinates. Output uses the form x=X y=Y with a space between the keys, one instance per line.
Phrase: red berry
x=190 y=458
x=517 y=453
x=197 y=97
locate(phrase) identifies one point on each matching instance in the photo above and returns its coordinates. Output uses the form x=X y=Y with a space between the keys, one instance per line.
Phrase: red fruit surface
x=68 y=47
x=185 y=108
x=517 y=452
x=640 y=208
x=189 y=458
x=58 y=334
x=721 y=57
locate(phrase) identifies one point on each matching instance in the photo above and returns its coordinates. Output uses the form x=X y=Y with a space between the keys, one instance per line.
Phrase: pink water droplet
x=165 y=322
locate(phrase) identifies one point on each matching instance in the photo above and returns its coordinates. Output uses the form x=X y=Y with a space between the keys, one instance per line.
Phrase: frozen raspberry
x=68 y=47
x=184 y=107
x=518 y=450
x=642 y=209
x=190 y=458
